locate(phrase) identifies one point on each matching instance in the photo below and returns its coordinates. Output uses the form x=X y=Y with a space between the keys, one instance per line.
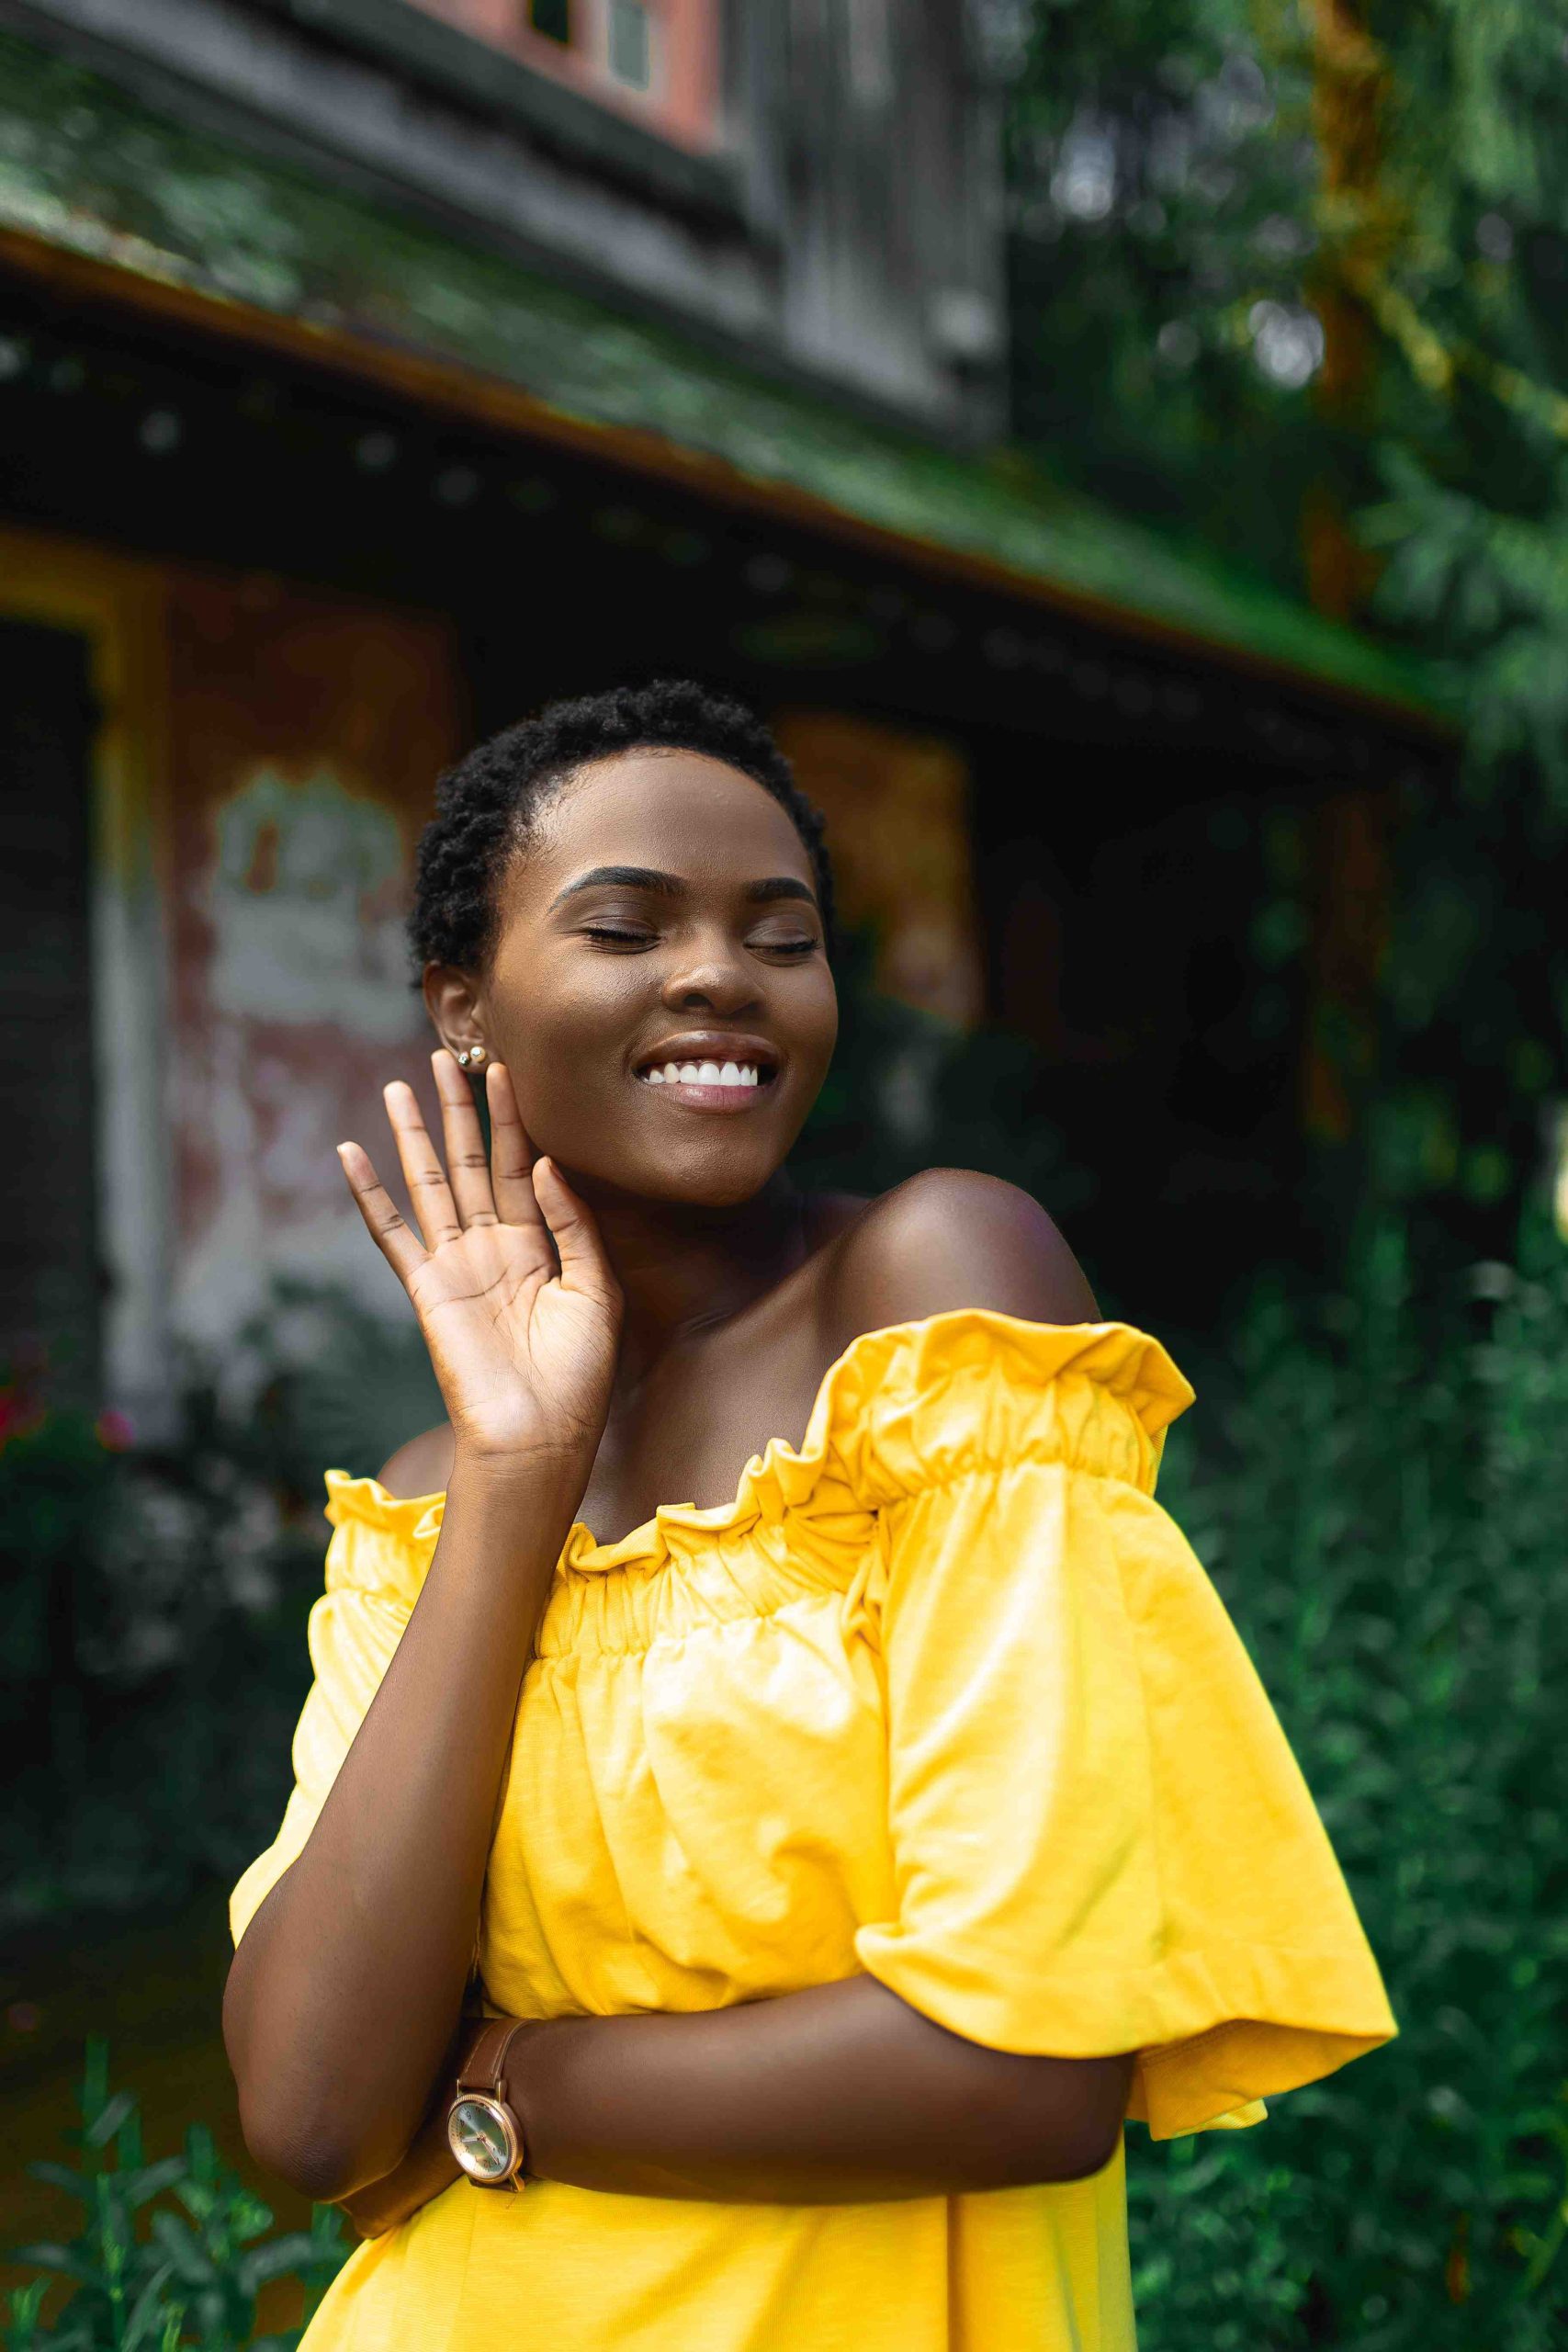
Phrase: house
x=371 y=371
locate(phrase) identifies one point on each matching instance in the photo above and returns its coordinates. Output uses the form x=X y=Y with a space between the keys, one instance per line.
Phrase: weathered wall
x=305 y=739
x=893 y=243
x=844 y=228
x=263 y=760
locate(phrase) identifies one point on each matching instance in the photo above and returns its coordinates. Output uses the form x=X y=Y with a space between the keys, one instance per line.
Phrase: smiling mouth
x=709 y=1077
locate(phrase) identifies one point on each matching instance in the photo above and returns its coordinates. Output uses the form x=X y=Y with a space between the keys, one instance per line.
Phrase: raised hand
x=515 y=1300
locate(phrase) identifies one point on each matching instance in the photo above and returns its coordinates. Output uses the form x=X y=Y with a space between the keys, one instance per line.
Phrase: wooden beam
x=448 y=389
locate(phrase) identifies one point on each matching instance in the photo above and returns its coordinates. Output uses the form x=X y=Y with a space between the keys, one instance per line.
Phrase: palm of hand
x=523 y=1348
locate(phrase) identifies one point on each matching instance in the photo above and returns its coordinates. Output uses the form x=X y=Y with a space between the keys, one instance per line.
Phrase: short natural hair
x=486 y=806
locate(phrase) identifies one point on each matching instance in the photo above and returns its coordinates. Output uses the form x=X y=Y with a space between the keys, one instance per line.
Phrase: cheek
x=817 y=1022
x=574 y=1022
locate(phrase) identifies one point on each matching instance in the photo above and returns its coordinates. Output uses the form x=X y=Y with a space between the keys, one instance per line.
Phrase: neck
x=681 y=1268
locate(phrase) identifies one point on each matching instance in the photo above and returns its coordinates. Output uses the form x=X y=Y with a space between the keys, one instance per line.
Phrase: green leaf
x=110 y=2117
x=151 y=2314
x=188 y=2257
x=75 y=2184
x=294 y=2251
x=151 y=2180
x=47 y=2255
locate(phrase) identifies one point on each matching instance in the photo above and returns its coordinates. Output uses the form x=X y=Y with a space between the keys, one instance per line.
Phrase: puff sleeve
x=1100 y=1839
x=376 y=1562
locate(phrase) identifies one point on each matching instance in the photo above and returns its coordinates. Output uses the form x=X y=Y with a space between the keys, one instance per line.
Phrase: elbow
x=1090 y=2118
x=315 y=2164
x=1068 y=2126
x=312 y=2162
x=314 y=2156
x=1056 y=2155
x=1080 y=2152
x=298 y=2123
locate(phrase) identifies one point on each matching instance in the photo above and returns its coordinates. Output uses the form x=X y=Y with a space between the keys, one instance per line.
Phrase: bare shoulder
x=423 y=1466
x=950 y=1239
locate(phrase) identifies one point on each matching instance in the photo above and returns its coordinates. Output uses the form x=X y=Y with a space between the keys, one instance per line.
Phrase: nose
x=710 y=976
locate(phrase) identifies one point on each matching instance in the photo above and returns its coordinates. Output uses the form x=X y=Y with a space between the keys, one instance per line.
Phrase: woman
x=861 y=1840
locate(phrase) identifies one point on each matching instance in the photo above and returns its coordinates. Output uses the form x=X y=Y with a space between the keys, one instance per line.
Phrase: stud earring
x=474 y=1054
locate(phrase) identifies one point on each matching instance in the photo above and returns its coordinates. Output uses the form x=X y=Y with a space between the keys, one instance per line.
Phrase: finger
x=511 y=1153
x=430 y=1195
x=467 y=1163
x=583 y=1265
x=395 y=1238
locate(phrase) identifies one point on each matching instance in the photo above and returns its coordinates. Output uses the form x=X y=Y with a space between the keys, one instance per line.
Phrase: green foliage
x=171 y=2253
x=1381 y=1493
x=148 y=1586
x=908 y=1091
x=1161 y=185
x=1177 y=229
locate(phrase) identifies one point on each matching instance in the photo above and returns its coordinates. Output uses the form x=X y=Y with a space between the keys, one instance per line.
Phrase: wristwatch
x=482 y=2129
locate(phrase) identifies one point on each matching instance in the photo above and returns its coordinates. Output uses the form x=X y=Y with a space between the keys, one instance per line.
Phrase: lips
x=709 y=1069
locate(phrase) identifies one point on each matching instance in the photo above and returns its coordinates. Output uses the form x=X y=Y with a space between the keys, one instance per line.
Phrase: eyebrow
x=671 y=886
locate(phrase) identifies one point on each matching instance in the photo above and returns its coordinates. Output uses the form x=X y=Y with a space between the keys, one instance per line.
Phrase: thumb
x=583 y=1265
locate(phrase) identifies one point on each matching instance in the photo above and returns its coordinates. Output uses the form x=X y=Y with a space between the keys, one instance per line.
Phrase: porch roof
x=98 y=190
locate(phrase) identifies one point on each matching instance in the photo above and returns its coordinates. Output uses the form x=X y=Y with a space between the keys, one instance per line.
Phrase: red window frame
x=681 y=102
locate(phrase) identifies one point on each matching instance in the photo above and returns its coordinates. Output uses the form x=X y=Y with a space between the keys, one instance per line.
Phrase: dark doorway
x=49 y=1268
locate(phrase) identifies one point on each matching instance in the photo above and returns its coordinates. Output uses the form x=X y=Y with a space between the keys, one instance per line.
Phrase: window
x=656 y=61
x=631 y=49
x=553 y=18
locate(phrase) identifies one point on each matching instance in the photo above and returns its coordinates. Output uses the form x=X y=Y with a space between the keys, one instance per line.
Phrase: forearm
x=840 y=2095
x=377 y=1919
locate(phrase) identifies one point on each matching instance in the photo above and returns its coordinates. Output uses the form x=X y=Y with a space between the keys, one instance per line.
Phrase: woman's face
x=662 y=919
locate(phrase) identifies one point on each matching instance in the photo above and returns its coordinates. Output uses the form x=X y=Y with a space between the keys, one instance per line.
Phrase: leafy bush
x=908 y=1090
x=1383 y=1502
x=170 y=2253
x=148 y=1586
x=1290 y=281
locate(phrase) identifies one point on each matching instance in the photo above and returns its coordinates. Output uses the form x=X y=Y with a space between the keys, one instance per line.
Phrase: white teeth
x=703 y=1074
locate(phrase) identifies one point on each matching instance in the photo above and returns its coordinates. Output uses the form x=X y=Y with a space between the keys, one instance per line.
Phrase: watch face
x=480 y=2135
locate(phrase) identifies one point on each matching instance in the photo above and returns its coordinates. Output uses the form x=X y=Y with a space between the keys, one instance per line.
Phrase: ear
x=452 y=999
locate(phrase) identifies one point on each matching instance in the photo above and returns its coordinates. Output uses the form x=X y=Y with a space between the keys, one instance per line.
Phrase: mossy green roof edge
x=86 y=166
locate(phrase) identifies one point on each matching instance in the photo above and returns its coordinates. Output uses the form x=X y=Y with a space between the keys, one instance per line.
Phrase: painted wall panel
x=305 y=739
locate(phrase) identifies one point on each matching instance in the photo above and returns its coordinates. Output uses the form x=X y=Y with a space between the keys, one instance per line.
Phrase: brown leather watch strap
x=484 y=2068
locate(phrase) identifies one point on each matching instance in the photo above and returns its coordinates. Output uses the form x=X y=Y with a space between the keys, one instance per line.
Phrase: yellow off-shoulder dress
x=945 y=1696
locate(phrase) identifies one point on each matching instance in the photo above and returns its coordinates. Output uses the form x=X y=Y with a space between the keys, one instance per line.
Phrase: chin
x=716 y=1184
x=716 y=1191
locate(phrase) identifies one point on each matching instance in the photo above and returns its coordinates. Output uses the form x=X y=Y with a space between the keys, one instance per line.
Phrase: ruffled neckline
x=1126 y=1361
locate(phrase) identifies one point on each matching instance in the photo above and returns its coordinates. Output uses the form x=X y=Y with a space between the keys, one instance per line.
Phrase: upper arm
x=423 y=1466
x=952 y=1238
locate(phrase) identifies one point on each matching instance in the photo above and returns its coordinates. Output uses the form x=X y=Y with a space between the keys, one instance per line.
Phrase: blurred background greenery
x=1288 y=282
x=1294 y=280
